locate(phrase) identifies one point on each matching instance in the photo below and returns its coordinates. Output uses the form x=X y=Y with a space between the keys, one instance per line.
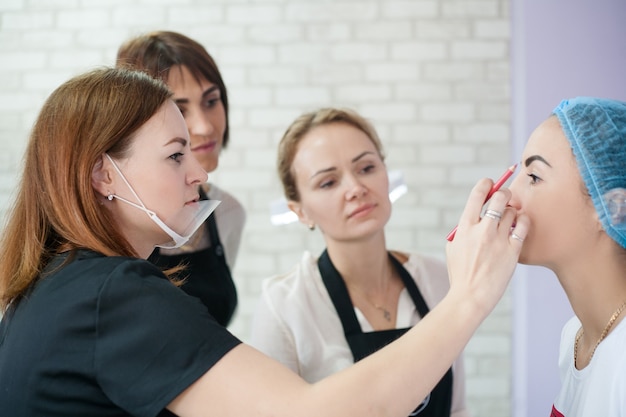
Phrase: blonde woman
x=335 y=309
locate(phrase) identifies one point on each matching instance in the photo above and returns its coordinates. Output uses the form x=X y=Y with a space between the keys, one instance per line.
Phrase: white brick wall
x=433 y=75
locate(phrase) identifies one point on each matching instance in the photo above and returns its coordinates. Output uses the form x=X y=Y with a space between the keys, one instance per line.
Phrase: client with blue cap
x=572 y=186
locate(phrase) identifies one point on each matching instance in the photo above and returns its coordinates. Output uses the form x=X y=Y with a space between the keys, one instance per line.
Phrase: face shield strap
x=142 y=207
x=175 y=236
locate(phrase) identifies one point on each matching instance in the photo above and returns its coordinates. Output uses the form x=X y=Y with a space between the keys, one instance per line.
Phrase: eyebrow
x=355 y=159
x=534 y=158
x=182 y=141
x=208 y=91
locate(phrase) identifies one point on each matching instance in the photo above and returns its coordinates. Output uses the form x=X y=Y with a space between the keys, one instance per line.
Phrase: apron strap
x=338 y=294
x=411 y=287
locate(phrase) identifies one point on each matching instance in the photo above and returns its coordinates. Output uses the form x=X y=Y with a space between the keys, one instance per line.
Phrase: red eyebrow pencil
x=507 y=174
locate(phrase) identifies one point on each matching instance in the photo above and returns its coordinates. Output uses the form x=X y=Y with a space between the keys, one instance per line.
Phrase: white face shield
x=187 y=223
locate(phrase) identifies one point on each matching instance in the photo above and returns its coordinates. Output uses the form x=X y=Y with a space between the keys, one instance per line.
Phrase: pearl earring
x=110 y=197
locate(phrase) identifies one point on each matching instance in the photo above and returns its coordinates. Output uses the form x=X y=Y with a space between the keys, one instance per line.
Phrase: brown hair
x=157 y=52
x=57 y=208
x=288 y=145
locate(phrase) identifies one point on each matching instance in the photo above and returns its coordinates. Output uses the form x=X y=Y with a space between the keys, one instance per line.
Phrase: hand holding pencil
x=496 y=186
x=484 y=256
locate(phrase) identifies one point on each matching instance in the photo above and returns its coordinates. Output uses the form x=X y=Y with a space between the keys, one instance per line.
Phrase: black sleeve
x=153 y=340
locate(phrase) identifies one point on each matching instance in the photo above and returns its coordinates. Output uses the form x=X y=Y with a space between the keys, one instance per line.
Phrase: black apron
x=438 y=403
x=207 y=274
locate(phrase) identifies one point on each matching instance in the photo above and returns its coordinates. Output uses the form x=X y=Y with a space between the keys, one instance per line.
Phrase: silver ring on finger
x=516 y=237
x=493 y=214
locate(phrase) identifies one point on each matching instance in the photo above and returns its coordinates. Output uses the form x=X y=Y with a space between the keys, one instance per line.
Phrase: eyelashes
x=329 y=183
x=533 y=179
x=176 y=156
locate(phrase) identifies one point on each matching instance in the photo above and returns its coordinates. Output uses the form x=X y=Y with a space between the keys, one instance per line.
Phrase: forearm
x=397 y=384
x=390 y=382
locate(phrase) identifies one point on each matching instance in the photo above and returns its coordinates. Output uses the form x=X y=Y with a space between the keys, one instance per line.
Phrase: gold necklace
x=386 y=313
x=605 y=332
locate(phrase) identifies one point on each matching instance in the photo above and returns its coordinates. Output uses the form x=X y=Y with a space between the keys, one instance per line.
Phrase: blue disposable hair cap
x=596 y=131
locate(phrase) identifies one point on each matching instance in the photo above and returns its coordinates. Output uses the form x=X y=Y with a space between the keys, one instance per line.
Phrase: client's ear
x=615 y=202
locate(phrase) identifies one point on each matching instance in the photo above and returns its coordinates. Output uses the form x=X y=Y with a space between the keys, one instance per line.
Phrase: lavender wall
x=560 y=49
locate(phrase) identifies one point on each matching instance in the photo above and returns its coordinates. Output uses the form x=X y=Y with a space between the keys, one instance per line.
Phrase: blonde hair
x=288 y=145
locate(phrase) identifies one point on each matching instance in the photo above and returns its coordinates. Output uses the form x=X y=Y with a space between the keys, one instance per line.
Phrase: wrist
x=470 y=308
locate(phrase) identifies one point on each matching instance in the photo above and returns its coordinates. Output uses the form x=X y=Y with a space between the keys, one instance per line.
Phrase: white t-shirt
x=598 y=390
x=297 y=324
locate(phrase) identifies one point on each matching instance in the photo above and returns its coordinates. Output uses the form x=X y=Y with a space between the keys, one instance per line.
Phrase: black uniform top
x=207 y=275
x=104 y=336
